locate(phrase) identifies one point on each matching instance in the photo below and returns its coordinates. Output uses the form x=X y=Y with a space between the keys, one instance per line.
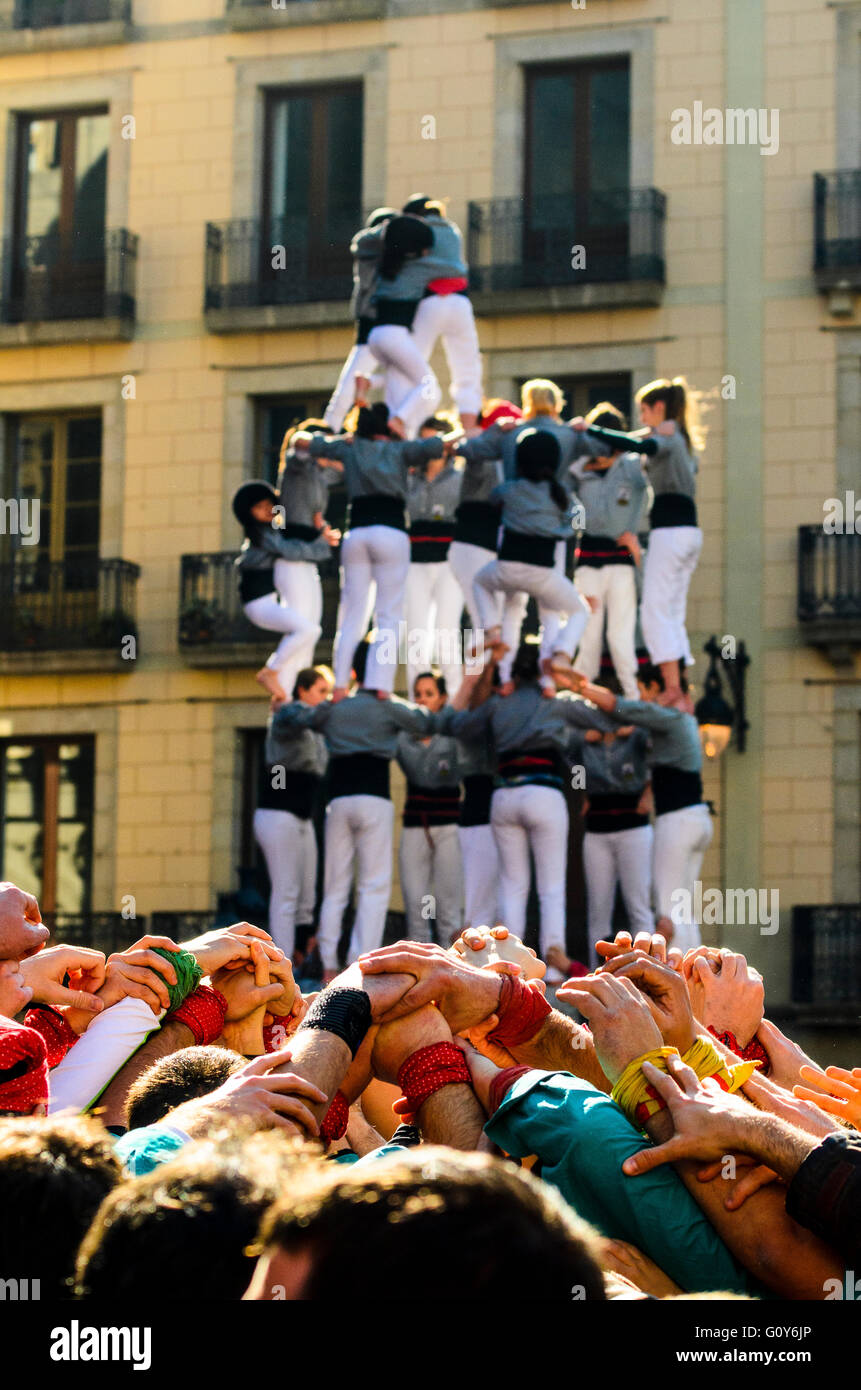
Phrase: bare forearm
x=321 y=1058
x=563 y=1045
x=452 y=1116
x=173 y=1036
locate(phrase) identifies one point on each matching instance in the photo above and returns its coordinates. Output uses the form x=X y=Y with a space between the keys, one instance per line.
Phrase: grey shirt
x=673 y=468
x=270 y=545
x=434 y=499
x=446 y=260
x=611 y=768
x=433 y=764
x=303 y=488
x=303 y=751
x=613 y=499
x=359 y=724
x=480 y=476
x=496 y=443
x=675 y=735
x=374 y=467
x=365 y=248
x=527 y=507
x=524 y=720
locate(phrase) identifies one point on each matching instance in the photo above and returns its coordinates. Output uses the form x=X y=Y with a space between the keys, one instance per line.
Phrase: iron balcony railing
x=837 y=223
x=66 y=605
x=50 y=14
x=826 y=954
x=251 y=264
x=46 y=278
x=829 y=575
x=210 y=613
x=599 y=238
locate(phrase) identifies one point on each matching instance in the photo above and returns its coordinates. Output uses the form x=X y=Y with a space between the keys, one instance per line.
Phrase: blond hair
x=680 y=404
x=541 y=397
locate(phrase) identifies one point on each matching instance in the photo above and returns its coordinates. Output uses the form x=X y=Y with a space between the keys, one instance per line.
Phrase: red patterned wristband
x=203 y=1011
x=521 y=1012
x=334 y=1122
x=426 y=1072
x=502 y=1084
x=58 y=1035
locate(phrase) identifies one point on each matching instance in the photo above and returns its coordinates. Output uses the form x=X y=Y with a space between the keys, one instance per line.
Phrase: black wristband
x=342 y=1011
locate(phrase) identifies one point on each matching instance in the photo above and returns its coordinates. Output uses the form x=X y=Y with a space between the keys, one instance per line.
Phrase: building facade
x=179 y=188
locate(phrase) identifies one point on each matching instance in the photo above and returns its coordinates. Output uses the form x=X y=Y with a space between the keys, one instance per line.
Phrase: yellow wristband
x=633 y=1093
x=704 y=1058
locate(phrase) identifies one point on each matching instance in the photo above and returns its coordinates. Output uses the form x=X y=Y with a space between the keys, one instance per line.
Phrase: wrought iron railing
x=600 y=238
x=66 y=605
x=46 y=278
x=826 y=954
x=210 y=612
x=251 y=264
x=829 y=574
x=837 y=221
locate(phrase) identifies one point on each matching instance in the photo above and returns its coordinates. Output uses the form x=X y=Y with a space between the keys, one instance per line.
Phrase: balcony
x=38 y=25
x=214 y=631
x=829 y=590
x=54 y=293
x=522 y=261
x=309 y=285
x=266 y=14
x=67 y=615
x=826 y=963
x=837 y=234
x=104 y=931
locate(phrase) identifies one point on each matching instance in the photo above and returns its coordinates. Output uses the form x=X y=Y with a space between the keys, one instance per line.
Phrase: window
x=46 y=820
x=312 y=192
x=577 y=170
x=56 y=459
x=274 y=416
x=60 y=213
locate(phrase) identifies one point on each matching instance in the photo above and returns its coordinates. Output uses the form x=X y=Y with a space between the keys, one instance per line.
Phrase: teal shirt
x=142 y=1150
x=582 y=1138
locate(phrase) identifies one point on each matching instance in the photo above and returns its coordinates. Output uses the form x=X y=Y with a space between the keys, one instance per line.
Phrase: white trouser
x=289 y=847
x=465 y=560
x=267 y=612
x=681 y=839
x=450 y=316
x=615 y=586
x=360 y=362
x=358 y=833
x=625 y=857
x=375 y=561
x=669 y=564
x=552 y=591
x=412 y=390
x=431 y=872
x=434 y=604
x=298 y=584
x=532 y=818
x=480 y=875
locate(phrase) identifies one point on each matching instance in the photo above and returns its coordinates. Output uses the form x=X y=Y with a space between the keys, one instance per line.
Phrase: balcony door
x=46 y=820
x=54 y=583
x=577 y=170
x=312 y=188
x=59 y=264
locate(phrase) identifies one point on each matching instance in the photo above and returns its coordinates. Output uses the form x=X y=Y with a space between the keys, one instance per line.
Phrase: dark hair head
x=406 y=1217
x=679 y=405
x=307 y=679
x=372 y=420
x=172 y=1080
x=380 y=215
x=438 y=679
x=183 y=1229
x=649 y=674
x=246 y=496
x=538 y=459
x=608 y=416
x=405 y=239
x=420 y=205
x=525 y=668
x=438 y=423
x=54 y=1174
x=360 y=661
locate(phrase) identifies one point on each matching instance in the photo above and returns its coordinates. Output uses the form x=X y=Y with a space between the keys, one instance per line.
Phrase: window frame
x=47 y=894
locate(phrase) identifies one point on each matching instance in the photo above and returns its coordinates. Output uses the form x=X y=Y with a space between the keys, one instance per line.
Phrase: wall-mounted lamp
x=716 y=717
